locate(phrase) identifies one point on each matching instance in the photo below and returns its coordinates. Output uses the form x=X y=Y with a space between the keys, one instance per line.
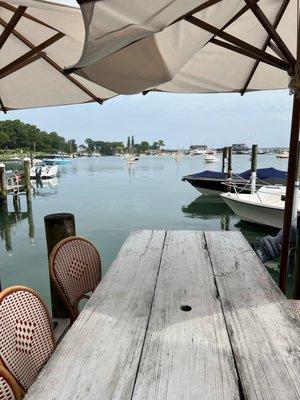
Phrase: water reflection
x=209 y=207
x=44 y=187
x=131 y=170
x=18 y=207
x=9 y=219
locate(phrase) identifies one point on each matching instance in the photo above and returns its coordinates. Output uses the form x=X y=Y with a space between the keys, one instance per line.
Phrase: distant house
x=240 y=148
x=198 y=147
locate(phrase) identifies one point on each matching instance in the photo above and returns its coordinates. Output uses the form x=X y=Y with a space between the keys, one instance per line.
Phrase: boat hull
x=211 y=187
x=255 y=213
x=46 y=172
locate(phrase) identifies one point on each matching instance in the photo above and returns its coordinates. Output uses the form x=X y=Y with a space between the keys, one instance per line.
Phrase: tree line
x=16 y=135
x=109 y=148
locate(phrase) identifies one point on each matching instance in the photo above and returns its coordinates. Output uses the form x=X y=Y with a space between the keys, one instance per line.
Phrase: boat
x=42 y=170
x=211 y=158
x=282 y=154
x=265 y=207
x=215 y=183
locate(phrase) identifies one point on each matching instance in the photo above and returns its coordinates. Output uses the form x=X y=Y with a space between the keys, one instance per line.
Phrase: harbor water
x=109 y=199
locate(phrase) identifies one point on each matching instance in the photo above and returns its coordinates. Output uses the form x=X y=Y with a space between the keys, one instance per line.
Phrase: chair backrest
x=75 y=268
x=26 y=335
x=9 y=389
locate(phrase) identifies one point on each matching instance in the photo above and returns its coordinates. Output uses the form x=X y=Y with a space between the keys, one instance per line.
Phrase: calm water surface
x=109 y=200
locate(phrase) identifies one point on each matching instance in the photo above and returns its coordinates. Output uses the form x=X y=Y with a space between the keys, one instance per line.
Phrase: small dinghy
x=211 y=159
x=215 y=183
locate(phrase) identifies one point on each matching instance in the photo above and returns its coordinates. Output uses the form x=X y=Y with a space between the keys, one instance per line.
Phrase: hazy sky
x=180 y=120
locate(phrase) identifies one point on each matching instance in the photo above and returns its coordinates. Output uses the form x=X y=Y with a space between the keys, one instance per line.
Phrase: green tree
x=144 y=146
x=72 y=146
x=161 y=144
x=155 y=146
x=132 y=141
x=128 y=143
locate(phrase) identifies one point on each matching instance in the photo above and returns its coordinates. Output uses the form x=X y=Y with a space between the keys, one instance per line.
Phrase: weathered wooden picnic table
x=179 y=315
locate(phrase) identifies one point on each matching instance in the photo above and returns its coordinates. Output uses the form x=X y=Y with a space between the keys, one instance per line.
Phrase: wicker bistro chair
x=75 y=269
x=9 y=389
x=26 y=335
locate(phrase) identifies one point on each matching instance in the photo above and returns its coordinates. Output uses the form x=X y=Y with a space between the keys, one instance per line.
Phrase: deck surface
x=133 y=340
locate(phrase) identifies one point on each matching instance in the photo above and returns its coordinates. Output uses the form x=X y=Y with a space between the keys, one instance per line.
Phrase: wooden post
x=290 y=188
x=229 y=169
x=27 y=174
x=58 y=227
x=30 y=217
x=254 y=167
x=296 y=282
x=6 y=226
x=2 y=182
x=224 y=159
x=296 y=286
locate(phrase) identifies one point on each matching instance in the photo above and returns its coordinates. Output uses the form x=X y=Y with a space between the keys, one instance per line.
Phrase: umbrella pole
x=290 y=189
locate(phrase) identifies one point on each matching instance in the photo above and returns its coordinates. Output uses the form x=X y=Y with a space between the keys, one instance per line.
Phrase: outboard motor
x=38 y=172
x=269 y=247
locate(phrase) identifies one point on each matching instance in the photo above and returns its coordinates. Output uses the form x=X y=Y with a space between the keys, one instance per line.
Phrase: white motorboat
x=43 y=171
x=265 y=207
x=282 y=154
x=209 y=158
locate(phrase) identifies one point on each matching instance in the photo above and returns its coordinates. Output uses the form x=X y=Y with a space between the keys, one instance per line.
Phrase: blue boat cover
x=262 y=174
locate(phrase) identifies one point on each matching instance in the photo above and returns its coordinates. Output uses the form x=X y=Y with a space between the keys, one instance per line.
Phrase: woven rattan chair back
x=9 y=389
x=75 y=268
x=26 y=335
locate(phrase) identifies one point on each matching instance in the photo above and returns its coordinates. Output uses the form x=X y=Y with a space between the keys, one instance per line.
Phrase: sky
x=179 y=119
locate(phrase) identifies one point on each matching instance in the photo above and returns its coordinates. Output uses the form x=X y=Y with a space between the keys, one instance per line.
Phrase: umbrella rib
x=228 y=23
x=243 y=51
x=10 y=7
x=11 y=67
x=4 y=109
x=54 y=64
x=266 y=43
x=202 y=7
x=271 y=31
x=20 y=65
x=277 y=62
x=19 y=12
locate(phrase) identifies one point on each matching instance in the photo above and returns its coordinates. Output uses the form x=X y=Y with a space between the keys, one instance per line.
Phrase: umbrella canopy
x=186 y=46
x=37 y=40
x=198 y=46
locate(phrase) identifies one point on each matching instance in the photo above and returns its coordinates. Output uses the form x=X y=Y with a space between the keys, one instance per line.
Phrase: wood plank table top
x=180 y=315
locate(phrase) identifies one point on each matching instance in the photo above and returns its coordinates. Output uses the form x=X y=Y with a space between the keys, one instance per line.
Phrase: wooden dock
x=180 y=315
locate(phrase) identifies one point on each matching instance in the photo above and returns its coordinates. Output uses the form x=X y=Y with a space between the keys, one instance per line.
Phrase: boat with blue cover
x=214 y=183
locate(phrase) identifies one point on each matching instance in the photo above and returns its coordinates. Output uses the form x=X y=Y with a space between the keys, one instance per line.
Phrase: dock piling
x=3 y=191
x=27 y=174
x=229 y=169
x=254 y=167
x=224 y=158
x=58 y=226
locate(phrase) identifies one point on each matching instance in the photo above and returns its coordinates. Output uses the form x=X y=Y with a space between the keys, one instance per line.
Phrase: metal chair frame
x=3 y=295
x=73 y=310
x=11 y=382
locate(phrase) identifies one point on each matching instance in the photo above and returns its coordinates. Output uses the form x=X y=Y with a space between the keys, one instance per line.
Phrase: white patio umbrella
x=197 y=46
x=37 y=40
